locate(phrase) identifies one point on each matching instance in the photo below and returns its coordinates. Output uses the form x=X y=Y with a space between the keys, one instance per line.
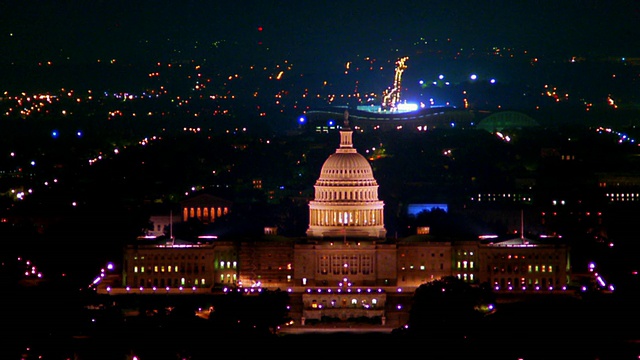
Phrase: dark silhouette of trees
x=448 y=308
x=239 y=313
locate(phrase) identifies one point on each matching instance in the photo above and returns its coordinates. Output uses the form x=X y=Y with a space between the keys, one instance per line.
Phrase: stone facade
x=345 y=267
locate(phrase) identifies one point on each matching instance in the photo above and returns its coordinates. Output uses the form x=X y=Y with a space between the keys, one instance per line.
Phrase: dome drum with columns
x=346 y=195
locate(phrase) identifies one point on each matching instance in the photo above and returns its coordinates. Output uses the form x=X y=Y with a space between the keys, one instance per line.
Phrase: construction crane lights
x=392 y=97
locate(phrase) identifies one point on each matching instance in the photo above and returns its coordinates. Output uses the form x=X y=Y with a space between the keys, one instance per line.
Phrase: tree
x=448 y=308
x=238 y=313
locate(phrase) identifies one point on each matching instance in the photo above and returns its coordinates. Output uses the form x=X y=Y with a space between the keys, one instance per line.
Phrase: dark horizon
x=82 y=32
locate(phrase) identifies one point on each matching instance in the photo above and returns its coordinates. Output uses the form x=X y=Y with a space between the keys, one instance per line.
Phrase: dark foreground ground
x=599 y=327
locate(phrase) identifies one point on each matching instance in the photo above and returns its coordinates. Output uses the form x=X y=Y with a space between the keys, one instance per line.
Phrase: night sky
x=144 y=30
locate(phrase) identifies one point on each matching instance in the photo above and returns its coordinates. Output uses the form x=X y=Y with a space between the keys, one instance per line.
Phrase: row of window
x=228 y=278
x=466 y=277
x=345 y=264
x=432 y=255
x=353 y=303
x=520 y=257
x=423 y=268
x=495 y=269
x=347 y=195
x=170 y=268
x=204 y=213
x=169 y=282
x=524 y=269
x=169 y=257
x=518 y=282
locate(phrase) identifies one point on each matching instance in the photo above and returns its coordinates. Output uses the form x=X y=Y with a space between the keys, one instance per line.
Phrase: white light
x=407 y=107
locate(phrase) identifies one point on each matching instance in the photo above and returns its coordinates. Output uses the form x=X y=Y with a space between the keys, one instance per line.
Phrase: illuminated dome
x=506 y=120
x=346 y=166
x=346 y=195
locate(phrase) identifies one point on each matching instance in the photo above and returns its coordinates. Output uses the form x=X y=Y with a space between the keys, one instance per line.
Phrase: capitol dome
x=346 y=166
x=346 y=200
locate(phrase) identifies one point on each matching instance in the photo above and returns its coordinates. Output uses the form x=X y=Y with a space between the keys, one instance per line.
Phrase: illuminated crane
x=392 y=97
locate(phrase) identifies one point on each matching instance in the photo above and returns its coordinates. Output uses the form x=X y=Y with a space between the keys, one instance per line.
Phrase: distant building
x=345 y=267
x=205 y=207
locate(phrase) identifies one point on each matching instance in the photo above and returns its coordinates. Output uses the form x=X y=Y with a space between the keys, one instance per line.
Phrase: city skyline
x=118 y=118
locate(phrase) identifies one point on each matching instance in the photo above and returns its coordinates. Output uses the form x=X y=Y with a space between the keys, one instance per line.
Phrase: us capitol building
x=345 y=267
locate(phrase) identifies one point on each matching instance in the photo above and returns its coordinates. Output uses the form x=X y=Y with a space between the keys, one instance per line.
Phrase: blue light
x=302 y=119
x=415 y=209
x=79 y=133
x=330 y=122
x=54 y=134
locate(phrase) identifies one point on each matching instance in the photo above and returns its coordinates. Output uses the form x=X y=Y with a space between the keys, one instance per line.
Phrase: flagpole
x=171 y=225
